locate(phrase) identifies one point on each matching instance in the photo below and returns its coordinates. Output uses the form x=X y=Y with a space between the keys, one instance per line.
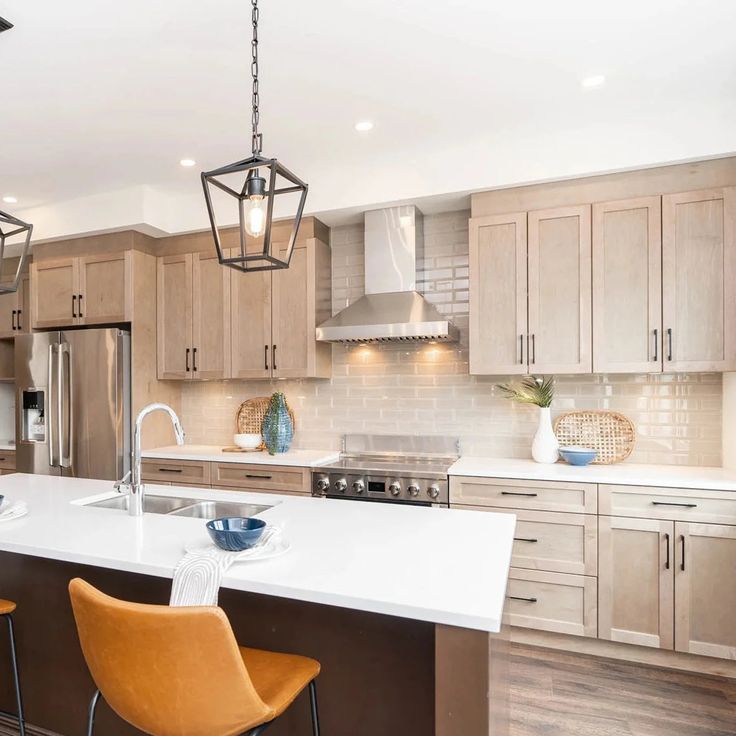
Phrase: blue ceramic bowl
x=235 y=533
x=578 y=455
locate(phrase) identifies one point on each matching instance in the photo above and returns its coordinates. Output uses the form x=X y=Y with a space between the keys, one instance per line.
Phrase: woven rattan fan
x=611 y=434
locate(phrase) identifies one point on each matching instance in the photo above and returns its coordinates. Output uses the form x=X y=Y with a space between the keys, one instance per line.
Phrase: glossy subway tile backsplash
x=426 y=389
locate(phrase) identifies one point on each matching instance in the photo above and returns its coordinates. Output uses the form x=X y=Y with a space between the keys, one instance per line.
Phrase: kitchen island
x=402 y=605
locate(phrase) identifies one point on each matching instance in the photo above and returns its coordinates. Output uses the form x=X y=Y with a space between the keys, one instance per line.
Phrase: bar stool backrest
x=166 y=671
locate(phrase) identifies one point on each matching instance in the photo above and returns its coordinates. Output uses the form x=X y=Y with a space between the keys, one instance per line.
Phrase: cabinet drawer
x=262 y=492
x=260 y=477
x=7 y=459
x=669 y=504
x=553 y=542
x=549 y=601
x=580 y=498
x=193 y=472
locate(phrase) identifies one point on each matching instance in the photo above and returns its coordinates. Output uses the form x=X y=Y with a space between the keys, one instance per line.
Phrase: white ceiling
x=101 y=98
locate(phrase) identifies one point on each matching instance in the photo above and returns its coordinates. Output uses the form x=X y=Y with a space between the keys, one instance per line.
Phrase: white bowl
x=248 y=441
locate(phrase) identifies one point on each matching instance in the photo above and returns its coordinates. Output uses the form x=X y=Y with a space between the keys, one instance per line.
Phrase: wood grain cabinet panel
x=210 y=318
x=560 y=290
x=174 y=296
x=55 y=287
x=275 y=478
x=15 y=313
x=177 y=472
x=529 y=495
x=548 y=601
x=699 y=280
x=705 y=589
x=105 y=294
x=498 y=295
x=636 y=581
x=627 y=286
x=7 y=459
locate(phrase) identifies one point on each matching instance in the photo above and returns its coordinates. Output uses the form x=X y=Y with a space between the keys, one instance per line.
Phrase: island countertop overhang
x=436 y=565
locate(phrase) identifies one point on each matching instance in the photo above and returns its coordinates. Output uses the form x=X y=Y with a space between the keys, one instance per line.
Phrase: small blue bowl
x=235 y=533
x=578 y=455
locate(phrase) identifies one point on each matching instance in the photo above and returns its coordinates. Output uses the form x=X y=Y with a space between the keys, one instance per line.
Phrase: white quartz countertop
x=438 y=565
x=666 y=476
x=214 y=453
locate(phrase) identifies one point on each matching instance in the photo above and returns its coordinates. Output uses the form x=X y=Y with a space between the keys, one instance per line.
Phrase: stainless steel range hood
x=391 y=308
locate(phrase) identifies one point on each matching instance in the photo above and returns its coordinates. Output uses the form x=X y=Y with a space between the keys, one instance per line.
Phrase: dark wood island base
x=380 y=674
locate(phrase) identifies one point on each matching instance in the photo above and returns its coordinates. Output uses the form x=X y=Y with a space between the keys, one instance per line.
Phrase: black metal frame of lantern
x=11 y=227
x=251 y=193
x=257 y=187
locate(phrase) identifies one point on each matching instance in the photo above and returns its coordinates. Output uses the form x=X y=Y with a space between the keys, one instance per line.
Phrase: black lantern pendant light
x=13 y=232
x=252 y=186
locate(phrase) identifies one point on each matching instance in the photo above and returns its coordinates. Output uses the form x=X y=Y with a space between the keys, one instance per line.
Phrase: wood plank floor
x=563 y=694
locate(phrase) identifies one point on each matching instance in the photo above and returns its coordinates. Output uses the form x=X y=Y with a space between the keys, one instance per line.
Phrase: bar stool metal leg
x=16 y=677
x=313 y=703
x=91 y=713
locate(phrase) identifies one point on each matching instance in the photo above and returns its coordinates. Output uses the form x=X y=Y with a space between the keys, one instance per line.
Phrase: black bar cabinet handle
x=682 y=559
x=521 y=349
x=260 y=477
x=672 y=503
x=74 y=305
x=669 y=344
x=512 y=493
x=187 y=359
x=273 y=357
x=80 y=306
x=265 y=357
x=170 y=470
x=656 y=344
x=20 y=311
x=534 y=348
x=667 y=543
x=525 y=539
x=194 y=359
x=520 y=598
x=14 y=327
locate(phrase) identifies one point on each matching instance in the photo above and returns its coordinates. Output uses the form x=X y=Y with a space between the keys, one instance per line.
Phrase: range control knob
x=359 y=486
x=413 y=490
x=433 y=491
x=395 y=488
x=341 y=485
x=323 y=484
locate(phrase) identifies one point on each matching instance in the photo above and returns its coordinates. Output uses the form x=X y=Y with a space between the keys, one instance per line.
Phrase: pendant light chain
x=257 y=138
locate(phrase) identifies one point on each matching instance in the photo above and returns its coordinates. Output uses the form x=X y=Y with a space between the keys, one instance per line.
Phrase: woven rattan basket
x=611 y=434
x=250 y=416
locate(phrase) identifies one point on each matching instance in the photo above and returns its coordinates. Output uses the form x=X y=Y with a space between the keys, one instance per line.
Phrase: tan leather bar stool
x=180 y=672
x=6 y=612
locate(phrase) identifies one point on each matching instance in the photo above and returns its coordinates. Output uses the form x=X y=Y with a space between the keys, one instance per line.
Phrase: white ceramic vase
x=545 y=448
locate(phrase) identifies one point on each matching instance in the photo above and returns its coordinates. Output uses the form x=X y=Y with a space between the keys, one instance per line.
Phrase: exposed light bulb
x=255 y=217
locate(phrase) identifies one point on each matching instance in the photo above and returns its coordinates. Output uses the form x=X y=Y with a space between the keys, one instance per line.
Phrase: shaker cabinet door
x=105 y=288
x=627 y=286
x=498 y=295
x=174 y=316
x=560 y=290
x=55 y=291
x=210 y=318
x=699 y=280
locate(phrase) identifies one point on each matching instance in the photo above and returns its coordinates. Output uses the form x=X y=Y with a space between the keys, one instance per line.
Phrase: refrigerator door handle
x=66 y=403
x=50 y=419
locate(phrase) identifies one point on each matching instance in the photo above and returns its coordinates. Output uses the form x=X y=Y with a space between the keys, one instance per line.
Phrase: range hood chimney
x=391 y=308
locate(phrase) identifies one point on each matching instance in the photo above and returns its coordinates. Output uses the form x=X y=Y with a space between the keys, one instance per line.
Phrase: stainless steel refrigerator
x=72 y=409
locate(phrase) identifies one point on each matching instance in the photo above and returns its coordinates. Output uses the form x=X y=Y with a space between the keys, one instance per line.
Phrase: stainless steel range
x=390 y=468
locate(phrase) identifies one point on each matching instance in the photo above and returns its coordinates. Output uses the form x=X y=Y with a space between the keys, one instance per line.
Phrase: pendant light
x=13 y=232
x=253 y=185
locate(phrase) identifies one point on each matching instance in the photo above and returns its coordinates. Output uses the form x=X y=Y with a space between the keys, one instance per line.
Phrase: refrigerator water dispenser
x=33 y=421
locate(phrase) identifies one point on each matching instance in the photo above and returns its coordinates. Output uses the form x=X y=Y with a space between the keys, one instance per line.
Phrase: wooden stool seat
x=6 y=607
x=278 y=678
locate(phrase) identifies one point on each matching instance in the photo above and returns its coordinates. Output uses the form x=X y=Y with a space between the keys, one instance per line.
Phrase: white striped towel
x=198 y=576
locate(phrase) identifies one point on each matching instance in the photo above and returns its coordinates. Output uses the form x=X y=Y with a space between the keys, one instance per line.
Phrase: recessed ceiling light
x=363 y=126
x=596 y=80
x=10 y=200
x=188 y=162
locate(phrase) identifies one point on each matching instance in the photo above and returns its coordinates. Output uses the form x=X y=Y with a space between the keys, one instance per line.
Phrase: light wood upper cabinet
x=627 y=286
x=636 y=581
x=705 y=589
x=15 y=312
x=210 y=318
x=699 y=280
x=85 y=290
x=498 y=294
x=560 y=290
x=251 y=324
x=174 y=316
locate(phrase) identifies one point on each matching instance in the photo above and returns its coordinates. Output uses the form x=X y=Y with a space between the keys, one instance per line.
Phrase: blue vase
x=278 y=430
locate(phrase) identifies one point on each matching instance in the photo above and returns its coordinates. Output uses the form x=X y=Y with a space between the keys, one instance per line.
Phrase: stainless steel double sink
x=192 y=507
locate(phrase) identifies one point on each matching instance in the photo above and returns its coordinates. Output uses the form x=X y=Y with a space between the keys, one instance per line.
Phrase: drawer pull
x=525 y=539
x=170 y=470
x=519 y=598
x=672 y=503
x=261 y=477
x=513 y=493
